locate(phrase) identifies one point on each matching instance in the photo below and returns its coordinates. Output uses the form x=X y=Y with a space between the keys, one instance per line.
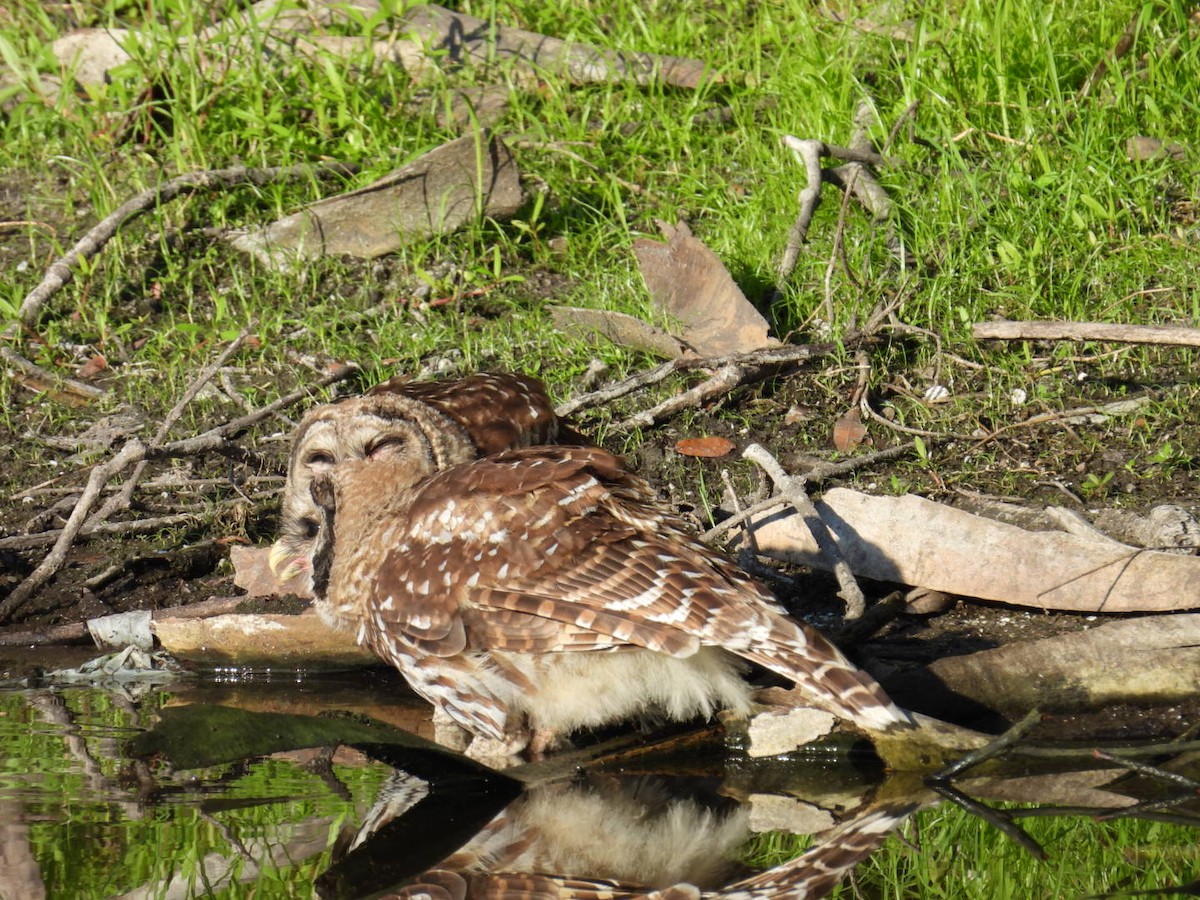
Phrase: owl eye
x=319 y=460
x=388 y=447
x=310 y=528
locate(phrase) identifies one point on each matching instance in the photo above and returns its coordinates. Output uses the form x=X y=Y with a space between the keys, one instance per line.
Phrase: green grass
x=947 y=853
x=1016 y=198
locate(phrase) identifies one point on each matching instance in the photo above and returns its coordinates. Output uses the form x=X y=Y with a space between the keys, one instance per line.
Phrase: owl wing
x=560 y=548
x=498 y=411
x=557 y=549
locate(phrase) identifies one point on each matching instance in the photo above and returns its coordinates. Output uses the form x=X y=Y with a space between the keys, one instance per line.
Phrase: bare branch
x=1171 y=335
x=63 y=269
x=793 y=490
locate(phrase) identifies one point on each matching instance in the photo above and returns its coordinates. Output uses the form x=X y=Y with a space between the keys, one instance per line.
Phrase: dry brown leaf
x=689 y=283
x=253 y=575
x=620 y=328
x=91 y=368
x=849 y=431
x=711 y=446
x=434 y=194
x=914 y=541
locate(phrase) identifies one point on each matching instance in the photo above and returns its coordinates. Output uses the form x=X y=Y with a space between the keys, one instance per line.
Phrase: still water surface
x=255 y=785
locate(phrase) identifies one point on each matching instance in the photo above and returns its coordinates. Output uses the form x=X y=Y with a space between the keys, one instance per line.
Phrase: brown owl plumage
x=456 y=420
x=606 y=841
x=542 y=590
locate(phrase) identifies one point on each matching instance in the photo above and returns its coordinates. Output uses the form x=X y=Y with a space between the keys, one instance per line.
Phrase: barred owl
x=646 y=830
x=542 y=590
x=454 y=421
x=609 y=841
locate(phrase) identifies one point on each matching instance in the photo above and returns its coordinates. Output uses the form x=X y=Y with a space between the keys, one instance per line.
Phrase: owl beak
x=284 y=565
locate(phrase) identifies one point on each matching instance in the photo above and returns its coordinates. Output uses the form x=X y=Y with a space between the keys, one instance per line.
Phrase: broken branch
x=63 y=269
x=793 y=490
x=1170 y=335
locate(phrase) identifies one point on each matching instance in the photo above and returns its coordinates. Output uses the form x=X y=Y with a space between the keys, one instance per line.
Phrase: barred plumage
x=496 y=586
x=636 y=851
x=450 y=421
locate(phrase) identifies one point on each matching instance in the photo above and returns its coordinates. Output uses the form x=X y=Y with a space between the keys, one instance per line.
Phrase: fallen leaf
x=620 y=328
x=689 y=283
x=437 y=193
x=849 y=431
x=91 y=368
x=252 y=573
x=710 y=446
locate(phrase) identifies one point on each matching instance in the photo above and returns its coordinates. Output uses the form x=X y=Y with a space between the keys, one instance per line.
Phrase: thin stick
x=997 y=818
x=793 y=490
x=809 y=154
x=839 y=234
x=724 y=380
x=1168 y=335
x=91 y=392
x=124 y=496
x=816 y=475
x=993 y=749
x=133 y=451
x=1175 y=778
x=1123 y=46
x=791 y=353
x=136 y=526
x=63 y=269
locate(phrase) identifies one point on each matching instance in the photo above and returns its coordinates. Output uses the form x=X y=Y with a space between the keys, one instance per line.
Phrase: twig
x=63 y=269
x=724 y=380
x=993 y=749
x=793 y=490
x=1175 y=778
x=1169 y=335
x=138 y=526
x=133 y=450
x=809 y=154
x=91 y=392
x=1123 y=46
x=858 y=179
x=1083 y=753
x=167 y=482
x=873 y=619
x=816 y=475
x=1118 y=407
x=124 y=496
x=999 y=819
x=839 y=234
x=792 y=353
x=907 y=429
x=824 y=471
x=742 y=516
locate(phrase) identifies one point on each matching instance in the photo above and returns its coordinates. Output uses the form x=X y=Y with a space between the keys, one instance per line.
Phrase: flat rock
x=261 y=640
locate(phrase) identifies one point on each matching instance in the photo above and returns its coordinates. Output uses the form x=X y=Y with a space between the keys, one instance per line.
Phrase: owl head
x=375 y=427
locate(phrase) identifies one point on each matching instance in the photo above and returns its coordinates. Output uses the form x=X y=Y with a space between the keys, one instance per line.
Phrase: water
x=263 y=785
